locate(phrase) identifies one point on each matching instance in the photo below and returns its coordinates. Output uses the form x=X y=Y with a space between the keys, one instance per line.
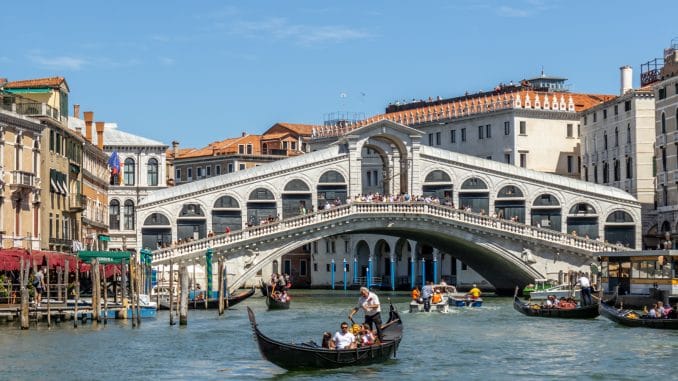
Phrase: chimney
x=175 y=149
x=76 y=111
x=100 y=135
x=89 y=116
x=626 y=79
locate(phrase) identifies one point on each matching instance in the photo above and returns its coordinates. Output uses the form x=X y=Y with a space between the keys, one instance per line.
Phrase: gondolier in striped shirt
x=369 y=302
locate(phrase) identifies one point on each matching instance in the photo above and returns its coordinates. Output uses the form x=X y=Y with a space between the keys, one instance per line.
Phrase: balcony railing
x=77 y=202
x=34 y=109
x=21 y=179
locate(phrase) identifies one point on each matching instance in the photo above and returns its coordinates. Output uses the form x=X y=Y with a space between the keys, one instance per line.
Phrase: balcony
x=77 y=202
x=34 y=109
x=24 y=180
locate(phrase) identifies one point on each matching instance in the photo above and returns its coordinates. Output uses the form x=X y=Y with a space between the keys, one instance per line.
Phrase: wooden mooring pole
x=183 y=302
x=47 y=294
x=171 y=293
x=138 y=296
x=220 y=279
x=23 y=280
x=77 y=294
x=96 y=287
x=103 y=268
x=132 y=294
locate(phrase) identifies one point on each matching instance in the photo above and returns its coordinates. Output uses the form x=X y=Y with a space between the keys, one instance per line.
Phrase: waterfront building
x=618 y=145
x=662 y=75
x=95 y=178
x=60 y=157
x=20 y=177
x=141 y=171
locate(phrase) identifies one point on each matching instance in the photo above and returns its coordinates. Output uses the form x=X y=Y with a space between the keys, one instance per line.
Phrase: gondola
x=276 y=304
x=585 y=312
x=310 y=356
x=265 y=288
x=212 y=303
x=631 y=318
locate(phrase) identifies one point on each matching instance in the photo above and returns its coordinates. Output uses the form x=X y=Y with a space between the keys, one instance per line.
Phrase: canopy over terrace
x=10 y=259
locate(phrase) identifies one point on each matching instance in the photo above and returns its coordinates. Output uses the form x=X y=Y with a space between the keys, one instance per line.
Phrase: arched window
x=332 y=177
x=114 y=215
x=628 y=133
x=617 y=170
x=156 y=219
x=663 y=123
x=616 y=136
x=474 y=183
x=619 y=216
x=296 y=186
x=509 y=191
x=226 y=202
x=437 y=177
x=629 y=167
x=606 y=172
x=128 y=171
x=153 y=172
x=261 y=194
x=129 y=215
x=582 y=208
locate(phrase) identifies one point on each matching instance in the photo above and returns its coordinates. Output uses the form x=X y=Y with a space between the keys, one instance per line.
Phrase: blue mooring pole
x=345 y=274
x=355 y=270
x=412 y=275
x=369 y=273
x=423 y=272
x=393 y=263
x=332 y=266
x=435 y=270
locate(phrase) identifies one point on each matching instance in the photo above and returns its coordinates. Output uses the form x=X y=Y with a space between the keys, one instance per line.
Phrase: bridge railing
x=443 y=211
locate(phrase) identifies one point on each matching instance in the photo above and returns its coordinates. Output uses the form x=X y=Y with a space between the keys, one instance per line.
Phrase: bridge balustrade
x=374 y=208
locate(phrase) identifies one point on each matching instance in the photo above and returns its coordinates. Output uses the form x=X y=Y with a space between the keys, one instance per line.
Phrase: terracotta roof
x=274 y=136
x=301 y=129
x=53 y=82
x=221 y=147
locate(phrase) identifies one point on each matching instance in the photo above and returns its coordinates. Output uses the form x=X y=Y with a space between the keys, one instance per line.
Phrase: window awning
x=53 y=186
x=64 y=189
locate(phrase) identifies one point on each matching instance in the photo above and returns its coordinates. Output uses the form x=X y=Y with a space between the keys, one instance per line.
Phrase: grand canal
x=489 y=343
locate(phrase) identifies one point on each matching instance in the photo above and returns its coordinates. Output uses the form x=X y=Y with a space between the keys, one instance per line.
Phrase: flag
x=114 y=163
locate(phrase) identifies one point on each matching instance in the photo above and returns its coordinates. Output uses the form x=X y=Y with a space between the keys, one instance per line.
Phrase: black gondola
x=212 y=303
x=631 y=318
x=311 y=356
x=585 y=312
x=265 y=288
x=275 y=303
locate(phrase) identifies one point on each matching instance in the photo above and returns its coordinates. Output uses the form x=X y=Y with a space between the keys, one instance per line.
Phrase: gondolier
x=369 y=302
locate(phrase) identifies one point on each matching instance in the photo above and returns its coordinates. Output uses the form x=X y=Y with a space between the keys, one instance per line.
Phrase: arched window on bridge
x=583 y=220
x=226 y=213
x=191 y=223
x=546 y=212
x=331 y=186
x=156 y=232
x=438 y=183
x=474 y=194
x=261 y=206
x=620 y=229
x=510 y=204
x=296 y=199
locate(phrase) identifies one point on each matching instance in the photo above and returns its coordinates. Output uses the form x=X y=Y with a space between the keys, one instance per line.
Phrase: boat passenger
x=652 y=313
x=369 y=302
x=327 y=342
x=437 y=297
x=416 y=294
x=344 y=339
x=661 y=313
x=474 y=293
x=366 y=335
x=673 y=313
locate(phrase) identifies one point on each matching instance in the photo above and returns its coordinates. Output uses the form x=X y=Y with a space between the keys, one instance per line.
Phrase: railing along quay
x=376 y=208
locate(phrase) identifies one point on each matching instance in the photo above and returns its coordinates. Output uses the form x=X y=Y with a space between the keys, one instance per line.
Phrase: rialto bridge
x=509 y=224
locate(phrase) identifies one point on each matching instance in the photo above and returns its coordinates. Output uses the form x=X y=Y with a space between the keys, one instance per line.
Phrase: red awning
x=10 y=259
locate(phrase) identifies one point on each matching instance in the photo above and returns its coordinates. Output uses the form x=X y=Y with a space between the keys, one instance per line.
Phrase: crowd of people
x=432 y=294
x=660 y=311
x=358 y=335
x=280 y=283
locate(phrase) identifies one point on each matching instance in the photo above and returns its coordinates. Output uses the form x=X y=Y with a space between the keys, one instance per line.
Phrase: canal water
x=493 y=342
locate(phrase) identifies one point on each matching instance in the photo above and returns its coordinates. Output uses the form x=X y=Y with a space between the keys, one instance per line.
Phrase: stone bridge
x=509 y=224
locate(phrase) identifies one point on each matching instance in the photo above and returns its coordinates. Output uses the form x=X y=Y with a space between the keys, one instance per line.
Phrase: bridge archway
x=226 y=213
x=510 y=203
x=439 y=183
x=156 y=231
x=474 y=194
x=296 y=198
x=620 y=227
x=331 y=187
x=546 y=212
x=191 y=222
x=261 y=206
x=583 y=219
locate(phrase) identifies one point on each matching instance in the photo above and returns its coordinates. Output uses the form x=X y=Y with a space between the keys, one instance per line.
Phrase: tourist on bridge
x=369 y=302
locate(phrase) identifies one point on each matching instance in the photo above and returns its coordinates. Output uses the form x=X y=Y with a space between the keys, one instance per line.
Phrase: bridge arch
x=582 y=218
x=620 y=228
x=509 y=202
x=226 y=213
x=156 y=231
x=296 y=198
x=474 y=193
x=192 y=221
x=262 y=205
x=438 y=182
x=331 y=185
x=546 y=211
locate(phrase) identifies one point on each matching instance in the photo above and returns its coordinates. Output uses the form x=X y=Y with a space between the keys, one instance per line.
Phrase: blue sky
x=201 y=71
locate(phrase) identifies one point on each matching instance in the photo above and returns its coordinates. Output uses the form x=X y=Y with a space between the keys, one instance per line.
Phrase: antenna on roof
x=542 y=70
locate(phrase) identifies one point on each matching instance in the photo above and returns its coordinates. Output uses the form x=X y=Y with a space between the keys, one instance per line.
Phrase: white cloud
x=512 y=12
x=58 y=63
x=281 y=29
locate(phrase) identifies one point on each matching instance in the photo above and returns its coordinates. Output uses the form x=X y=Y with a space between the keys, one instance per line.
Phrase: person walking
x=369 y=302
x=585 y=285
x=39 y=283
